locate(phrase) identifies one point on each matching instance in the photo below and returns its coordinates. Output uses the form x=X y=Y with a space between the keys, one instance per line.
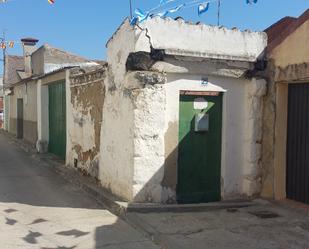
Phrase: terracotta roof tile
x=13 y=64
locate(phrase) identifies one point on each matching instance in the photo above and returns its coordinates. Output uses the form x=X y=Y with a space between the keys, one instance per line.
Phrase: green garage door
x=57 y=119
x=199 y=149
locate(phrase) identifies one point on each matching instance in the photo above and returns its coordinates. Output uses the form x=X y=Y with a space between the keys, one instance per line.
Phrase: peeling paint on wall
x=87 y=99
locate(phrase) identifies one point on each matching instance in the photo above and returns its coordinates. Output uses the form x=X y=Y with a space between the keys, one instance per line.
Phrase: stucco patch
x=87 y=100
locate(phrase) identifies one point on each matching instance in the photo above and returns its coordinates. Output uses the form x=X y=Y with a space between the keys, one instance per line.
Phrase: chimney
x=29 y=47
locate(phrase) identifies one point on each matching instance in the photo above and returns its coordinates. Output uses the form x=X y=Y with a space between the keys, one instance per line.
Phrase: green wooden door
x=57 y=119
x=6 y=113
x=20 y=119
x=199 y=152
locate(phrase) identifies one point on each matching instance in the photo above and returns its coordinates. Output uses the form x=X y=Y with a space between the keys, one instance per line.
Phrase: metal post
x=219 y=7
x=131 y=12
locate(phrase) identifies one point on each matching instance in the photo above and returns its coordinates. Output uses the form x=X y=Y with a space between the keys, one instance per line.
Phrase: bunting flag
x=11 y=44
x=162 y=11
x=140 y=15
x=173 y=10
x=51 y=1
x=251 y=1
x=3 y=45
x=202 y=8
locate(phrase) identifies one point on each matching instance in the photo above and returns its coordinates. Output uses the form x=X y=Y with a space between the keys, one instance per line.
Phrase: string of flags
x=49 y=1
x=160 y=10
x=5 y=44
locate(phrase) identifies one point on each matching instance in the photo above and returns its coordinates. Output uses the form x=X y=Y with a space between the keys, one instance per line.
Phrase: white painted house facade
x=182 y=112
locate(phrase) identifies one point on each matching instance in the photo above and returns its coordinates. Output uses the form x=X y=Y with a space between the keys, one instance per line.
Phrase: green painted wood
x=20 y=119
x=57 y=119
x=199 y=153
x=6 y=112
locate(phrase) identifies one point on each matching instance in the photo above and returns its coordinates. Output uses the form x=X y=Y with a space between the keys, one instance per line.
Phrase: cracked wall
x=139 y=148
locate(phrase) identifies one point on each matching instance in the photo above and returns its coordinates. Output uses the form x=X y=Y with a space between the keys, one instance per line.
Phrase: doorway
x=199 y=149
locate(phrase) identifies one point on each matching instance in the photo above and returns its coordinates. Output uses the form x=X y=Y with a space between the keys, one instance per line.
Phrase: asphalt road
x=39 y=209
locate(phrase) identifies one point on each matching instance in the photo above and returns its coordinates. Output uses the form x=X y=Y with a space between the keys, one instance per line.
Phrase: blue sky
x=84 y=26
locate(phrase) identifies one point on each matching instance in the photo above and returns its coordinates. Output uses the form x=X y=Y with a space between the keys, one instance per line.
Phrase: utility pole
x=219 y=7
x=2 y=39
x=131 y=11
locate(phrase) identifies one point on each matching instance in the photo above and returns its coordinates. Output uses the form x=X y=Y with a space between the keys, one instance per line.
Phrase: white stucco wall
x=117 y=152
x=156 y=135
x=140 y=118
x=116 y=164
x=181 y=38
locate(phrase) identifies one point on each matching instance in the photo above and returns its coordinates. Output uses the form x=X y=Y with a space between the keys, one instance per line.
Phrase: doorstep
x=177 y=208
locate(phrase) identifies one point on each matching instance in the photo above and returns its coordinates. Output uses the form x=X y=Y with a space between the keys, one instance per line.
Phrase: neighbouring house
x=70 y=108
x=54 y=100
x=13 y=64
x=182 y=114
x=286 y=116
x=38 y=95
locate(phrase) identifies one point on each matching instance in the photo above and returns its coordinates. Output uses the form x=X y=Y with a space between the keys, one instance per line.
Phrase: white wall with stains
x=139 y=135
x=85 y=99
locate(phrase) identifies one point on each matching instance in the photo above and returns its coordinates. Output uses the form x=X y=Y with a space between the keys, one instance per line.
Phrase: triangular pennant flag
x=251 y=1
x=51 y=1
x=176 y=8
x=202 y=8
x=11 y=44
x=139 y=13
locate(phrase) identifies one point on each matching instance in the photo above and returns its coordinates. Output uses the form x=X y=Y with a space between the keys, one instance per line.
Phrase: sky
x=84 y=26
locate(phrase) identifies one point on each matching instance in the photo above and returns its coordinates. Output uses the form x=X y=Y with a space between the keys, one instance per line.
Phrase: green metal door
x=57 y=119
x=199 y=152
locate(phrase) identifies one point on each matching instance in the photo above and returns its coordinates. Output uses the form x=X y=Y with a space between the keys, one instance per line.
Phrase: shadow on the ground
x=24 y=180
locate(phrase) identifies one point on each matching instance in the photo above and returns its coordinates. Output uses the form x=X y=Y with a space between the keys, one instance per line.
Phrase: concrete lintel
x=234 y=69
x=209 y=55
x=143 y=61
x=297 y=73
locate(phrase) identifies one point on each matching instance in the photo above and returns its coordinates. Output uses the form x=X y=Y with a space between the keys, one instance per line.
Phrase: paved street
x=39 y=209
x=262 y=226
